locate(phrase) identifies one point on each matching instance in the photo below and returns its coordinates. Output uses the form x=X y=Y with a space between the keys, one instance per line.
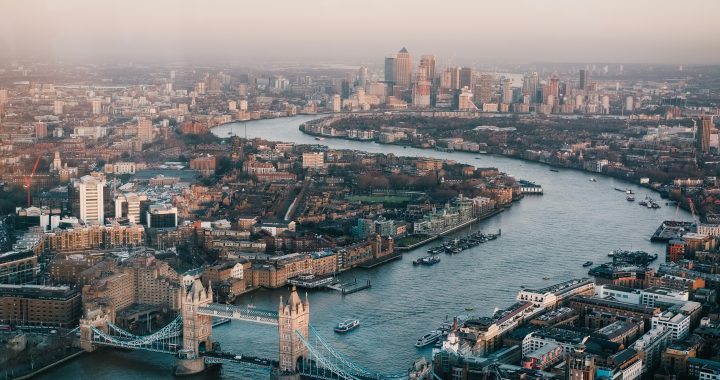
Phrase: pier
x=350 y=287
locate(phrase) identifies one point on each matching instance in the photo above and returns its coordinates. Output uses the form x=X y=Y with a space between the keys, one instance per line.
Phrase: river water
x=547 y=236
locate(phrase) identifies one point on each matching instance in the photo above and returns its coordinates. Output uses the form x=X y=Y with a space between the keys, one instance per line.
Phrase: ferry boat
x=347 y=325
x=587 y=264
x=428 y=338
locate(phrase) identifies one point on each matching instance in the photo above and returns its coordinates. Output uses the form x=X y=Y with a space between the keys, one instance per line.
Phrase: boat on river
x=587 y=264
x=347 y=325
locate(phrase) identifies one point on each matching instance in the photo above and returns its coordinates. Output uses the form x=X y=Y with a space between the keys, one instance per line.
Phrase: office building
x=162 y=216
x=584 y=79
x=90 y=192
x=36 y=305
x=466 y=77
x=427 y=64
x=403 y=69
x=484 y=90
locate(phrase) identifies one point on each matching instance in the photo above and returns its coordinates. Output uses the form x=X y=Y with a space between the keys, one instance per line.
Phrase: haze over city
x=458 y=31
x=360 y=190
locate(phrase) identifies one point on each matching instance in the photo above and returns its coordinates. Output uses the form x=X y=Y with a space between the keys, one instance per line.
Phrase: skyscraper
x=584 y=79
x=531 y=84
x=427 y=63
x=90 y=193
x=403 y=69
x=390 y=73
x=507 y=91
x=421 y=90
x=484 y=90
x=466 y=77
x=362 y=76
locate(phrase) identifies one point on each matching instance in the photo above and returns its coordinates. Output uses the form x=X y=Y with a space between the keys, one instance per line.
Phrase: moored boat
x=587 y=264
x=428 y=338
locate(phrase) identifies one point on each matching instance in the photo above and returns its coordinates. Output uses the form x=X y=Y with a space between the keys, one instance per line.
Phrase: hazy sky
x=457 y=31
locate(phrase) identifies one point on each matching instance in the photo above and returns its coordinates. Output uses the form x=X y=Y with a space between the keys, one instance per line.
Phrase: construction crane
x=28 y=180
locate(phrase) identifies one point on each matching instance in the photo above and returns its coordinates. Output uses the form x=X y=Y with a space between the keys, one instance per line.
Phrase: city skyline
x=458 y=32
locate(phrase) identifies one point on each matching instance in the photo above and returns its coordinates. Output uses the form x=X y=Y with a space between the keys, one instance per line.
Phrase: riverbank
x=51 y=365
x=449 y=231
x=512 y=156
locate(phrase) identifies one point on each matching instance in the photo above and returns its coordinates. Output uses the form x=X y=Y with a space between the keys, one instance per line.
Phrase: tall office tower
x=144 y=130
x=507 y=91
x=421 y=90
x=485 y=89
x=428 y=63
x=40 y=130
x=702 y=134
x=466 y=77
x=3 y=96
x=580 y=365
x=531 y=83
x=96 y=106
x=362 y=76
x=390 y=76
x=172 y=74
x=403 y=69
x=555 y=87
x=584 y=79
x=90 y=192
x=446 y=79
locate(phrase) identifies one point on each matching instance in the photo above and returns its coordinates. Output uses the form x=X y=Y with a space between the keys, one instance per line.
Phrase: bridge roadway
x=242 y=313
x=224 y=357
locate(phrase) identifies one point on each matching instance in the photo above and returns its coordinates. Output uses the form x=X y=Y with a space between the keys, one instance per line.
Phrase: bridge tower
x=96 y=316
x=197 y=329
x=293 y=315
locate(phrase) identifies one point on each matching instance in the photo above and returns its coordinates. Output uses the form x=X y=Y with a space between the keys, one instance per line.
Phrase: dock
x=311 y=281
x=350 y=287
x=671 y=229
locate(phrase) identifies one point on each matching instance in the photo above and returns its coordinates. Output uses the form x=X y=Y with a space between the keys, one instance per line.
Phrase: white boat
x=428 y=338
x=593 y=179
x=346 y=325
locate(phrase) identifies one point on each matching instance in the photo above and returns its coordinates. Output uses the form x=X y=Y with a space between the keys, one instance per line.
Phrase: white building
x=620 y=293
x=90 y=191
x=655 y=294
x=676 y=322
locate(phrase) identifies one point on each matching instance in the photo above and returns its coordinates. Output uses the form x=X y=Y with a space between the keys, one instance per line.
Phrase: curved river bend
x=547 y=236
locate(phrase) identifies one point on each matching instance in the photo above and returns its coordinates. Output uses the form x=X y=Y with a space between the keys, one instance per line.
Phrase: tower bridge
x=302 y=352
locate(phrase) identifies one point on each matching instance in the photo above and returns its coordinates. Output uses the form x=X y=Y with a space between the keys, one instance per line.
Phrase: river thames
x=548 y=236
